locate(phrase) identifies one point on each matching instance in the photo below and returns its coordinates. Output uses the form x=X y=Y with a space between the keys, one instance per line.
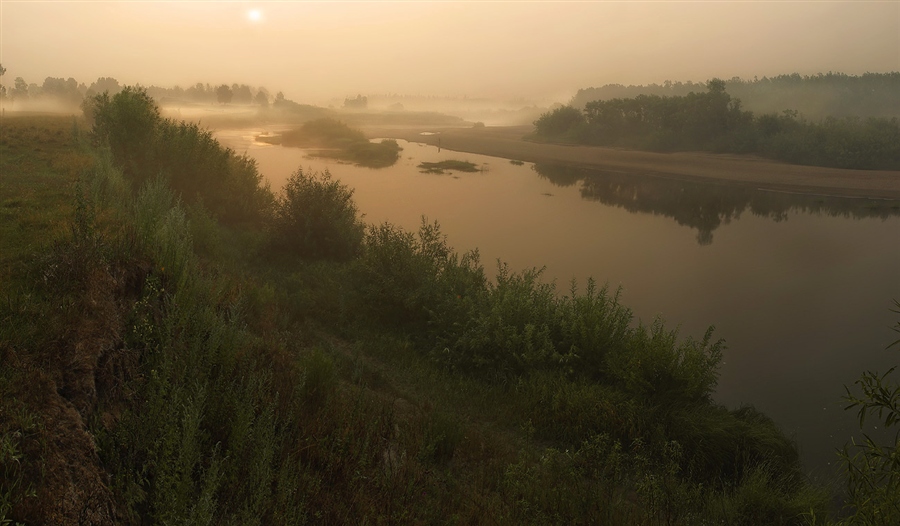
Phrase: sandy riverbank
x=507 y=142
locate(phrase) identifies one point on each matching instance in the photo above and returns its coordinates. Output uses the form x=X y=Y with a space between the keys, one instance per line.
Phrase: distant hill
x=814 y=96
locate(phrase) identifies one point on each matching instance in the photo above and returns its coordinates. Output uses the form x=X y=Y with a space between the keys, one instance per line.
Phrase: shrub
x=192 y=162
x=512 y=332
x=316 y=218
x=417 y=282
x=323 y=133
x=127 y=122
x=343 y=142
x=873 y=471
x=565 y=122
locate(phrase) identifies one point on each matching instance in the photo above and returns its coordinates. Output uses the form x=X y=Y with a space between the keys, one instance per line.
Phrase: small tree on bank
x=316 y=218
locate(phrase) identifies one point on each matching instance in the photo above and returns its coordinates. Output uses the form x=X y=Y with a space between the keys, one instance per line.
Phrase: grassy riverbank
x=181 y=345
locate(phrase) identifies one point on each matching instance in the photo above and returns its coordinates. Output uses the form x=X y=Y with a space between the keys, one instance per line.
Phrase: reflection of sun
x=254 y=15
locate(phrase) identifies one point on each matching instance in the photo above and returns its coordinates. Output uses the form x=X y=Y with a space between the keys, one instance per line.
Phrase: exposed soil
x=508 y=142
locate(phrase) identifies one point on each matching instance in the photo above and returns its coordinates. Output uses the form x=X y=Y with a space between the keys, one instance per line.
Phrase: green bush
x=191 y=161
x=416 y=282
x=512 y=332
x=128 y=123
x=566 y=123
x=315 y=218
x=873 y=466
x=343 y=142
x=323 y=133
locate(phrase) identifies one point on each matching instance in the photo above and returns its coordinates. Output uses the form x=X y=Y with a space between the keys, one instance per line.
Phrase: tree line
x=814 y=96
x=72 y=93
x=716 y=121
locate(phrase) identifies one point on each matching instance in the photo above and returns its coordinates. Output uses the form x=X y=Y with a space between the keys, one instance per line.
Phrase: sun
x=254 y=15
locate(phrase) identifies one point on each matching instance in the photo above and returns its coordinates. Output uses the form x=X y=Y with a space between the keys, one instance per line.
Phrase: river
x=799 y=286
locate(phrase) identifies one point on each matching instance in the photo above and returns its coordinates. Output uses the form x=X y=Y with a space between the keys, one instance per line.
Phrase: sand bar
x=508 y=142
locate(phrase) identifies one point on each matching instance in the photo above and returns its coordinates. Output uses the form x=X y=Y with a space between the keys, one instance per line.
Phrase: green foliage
x=221 y=399
x=450 y=164
x=359 y=102
x=417 y=282
x=224 y=94
x=565 y=123
x=873 y=471
x=848 y=142
x=369 y=154
x=715 y=121
x=202 y=171
x=17 y=427
x=696 y=120
x=337 y=140
x=194 y=165
x=315 y=218
x=654 y=365
x=510 y=332
x=816 y=96
x=127 y=122
x=323 y=133
x=442 y=435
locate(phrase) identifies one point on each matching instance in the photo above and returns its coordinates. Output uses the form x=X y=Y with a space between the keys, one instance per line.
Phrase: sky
x=313 y=51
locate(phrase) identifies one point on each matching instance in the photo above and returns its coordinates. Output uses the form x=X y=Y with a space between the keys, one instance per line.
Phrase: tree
x=20 y=91
x=359 y=103
x=224 y=94
x=104 y=84
x=127 y=122
x=199 y=93
x=64 y=90
x=716 y=85
x=242 y=94
x=316 y=218
x=563 y=121
x=262 y=98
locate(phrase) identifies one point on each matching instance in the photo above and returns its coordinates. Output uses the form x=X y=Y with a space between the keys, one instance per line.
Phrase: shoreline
x=507 y=142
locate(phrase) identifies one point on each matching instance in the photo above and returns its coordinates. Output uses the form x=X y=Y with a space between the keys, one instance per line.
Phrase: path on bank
x=508 y=142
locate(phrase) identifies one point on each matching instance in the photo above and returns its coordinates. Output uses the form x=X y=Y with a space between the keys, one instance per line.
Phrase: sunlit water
x=800 y=287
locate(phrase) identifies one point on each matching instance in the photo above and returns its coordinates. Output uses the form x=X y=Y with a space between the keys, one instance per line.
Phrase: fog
x=538 y=53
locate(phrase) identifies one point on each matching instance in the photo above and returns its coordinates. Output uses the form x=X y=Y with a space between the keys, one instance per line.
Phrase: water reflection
x=705 y=206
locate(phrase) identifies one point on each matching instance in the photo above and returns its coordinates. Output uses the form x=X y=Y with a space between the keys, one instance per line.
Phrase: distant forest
x=812 y=96
x=70 y=92
x=715 y=121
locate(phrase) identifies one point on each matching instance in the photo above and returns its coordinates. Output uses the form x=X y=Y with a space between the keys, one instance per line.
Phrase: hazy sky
x=317 y=50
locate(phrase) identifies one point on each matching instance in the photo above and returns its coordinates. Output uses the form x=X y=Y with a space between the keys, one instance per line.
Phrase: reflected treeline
x=705 y=206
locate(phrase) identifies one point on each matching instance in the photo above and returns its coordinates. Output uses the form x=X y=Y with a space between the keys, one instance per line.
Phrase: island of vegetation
x=334 y=139
x=181 y=345
x=441 y=167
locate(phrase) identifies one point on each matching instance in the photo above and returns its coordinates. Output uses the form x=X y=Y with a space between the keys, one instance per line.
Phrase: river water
x=799 y=286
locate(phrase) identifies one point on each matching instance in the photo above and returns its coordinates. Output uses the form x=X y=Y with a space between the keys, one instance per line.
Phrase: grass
x=441 y=167
x=41 y=162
